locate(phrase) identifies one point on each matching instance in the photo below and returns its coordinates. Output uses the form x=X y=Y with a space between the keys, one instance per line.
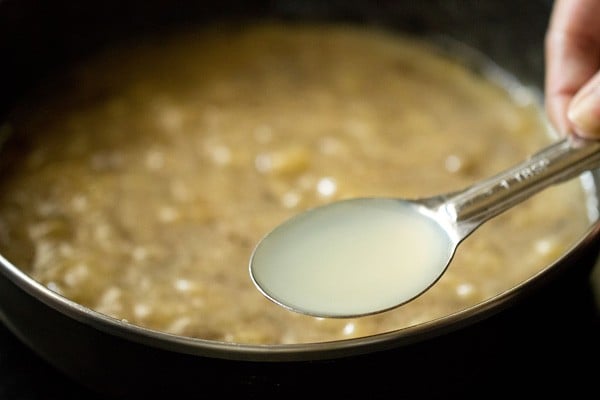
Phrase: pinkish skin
x=572 y=67
x=584 y=110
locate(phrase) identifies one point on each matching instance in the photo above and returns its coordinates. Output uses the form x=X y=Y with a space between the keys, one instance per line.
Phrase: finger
x=572 y=55
x=584 y=110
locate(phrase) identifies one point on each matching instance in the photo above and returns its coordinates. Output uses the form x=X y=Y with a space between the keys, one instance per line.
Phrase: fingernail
x=584 y=114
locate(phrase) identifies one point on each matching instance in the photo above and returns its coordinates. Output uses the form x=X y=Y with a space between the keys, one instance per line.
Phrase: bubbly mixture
x=138 y=182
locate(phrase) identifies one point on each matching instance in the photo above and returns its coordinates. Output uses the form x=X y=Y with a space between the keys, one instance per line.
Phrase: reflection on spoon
x=363 y=256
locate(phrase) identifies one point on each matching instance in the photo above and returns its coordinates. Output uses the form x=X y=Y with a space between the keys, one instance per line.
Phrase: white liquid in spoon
x=354 y=257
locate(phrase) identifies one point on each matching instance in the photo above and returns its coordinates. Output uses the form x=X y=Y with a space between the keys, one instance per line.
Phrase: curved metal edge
x=291 y=352
x=323 y=350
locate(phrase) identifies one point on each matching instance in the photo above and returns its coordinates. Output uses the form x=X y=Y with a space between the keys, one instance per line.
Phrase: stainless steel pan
x=432 y=359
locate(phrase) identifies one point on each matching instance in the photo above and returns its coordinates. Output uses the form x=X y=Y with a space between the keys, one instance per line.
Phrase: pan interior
x=138 y=182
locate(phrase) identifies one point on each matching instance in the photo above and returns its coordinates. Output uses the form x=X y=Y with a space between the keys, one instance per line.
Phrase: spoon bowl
x=354 y=257
x=368 y=255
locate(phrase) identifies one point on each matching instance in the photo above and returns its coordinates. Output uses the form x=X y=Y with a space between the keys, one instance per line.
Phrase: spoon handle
x=559 y=162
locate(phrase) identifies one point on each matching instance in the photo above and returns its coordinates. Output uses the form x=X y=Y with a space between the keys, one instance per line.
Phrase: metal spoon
x=368 y=255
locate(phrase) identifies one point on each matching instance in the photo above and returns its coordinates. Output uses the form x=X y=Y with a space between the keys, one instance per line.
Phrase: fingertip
x=556 y=111
x=584 y=113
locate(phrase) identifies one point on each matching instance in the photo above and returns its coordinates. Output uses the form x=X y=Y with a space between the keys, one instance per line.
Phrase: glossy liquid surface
x=350 y=258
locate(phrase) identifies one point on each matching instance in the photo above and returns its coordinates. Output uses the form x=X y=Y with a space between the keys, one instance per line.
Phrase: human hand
x=572 y=81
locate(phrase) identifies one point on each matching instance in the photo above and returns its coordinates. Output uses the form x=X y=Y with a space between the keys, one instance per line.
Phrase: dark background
x=549 y=341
